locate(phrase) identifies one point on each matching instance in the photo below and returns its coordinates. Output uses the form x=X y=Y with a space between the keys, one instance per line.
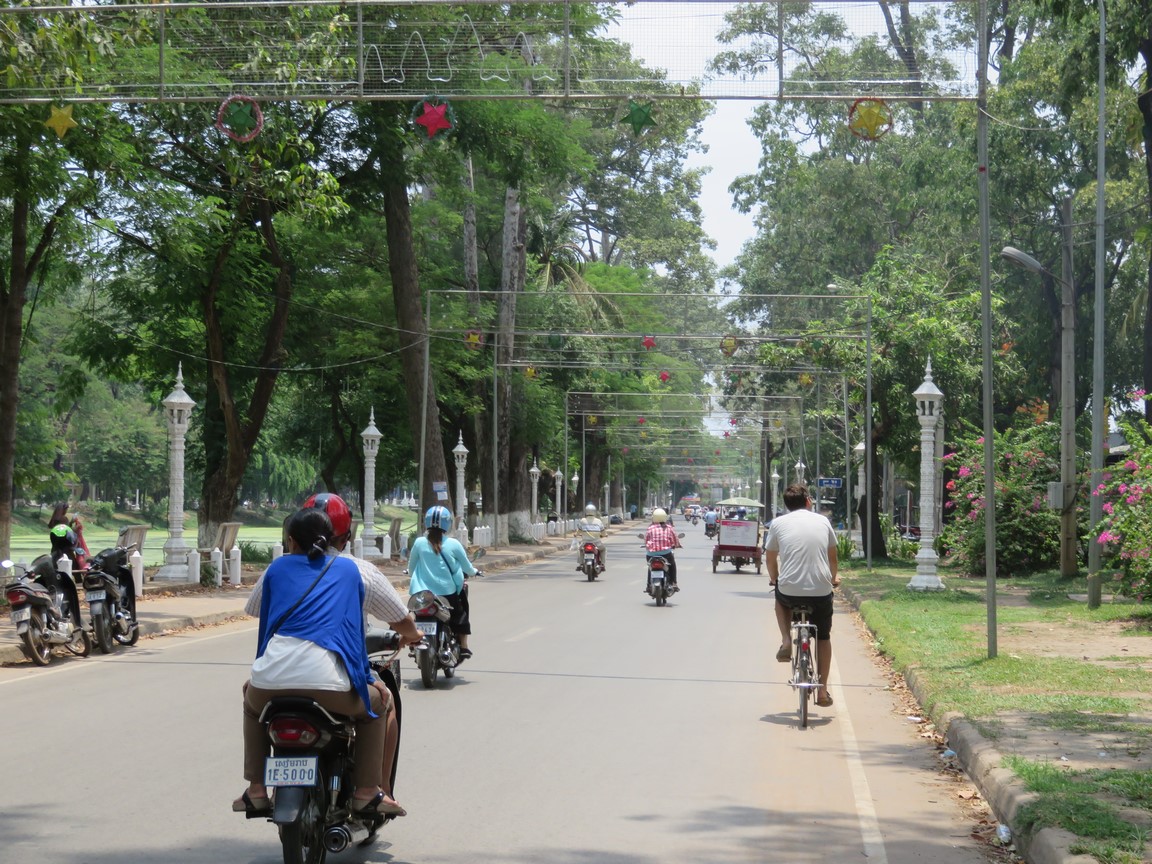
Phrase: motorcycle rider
x=711 y=518
x=438 y=563
x=592 y=528
x=660 y=539
x=67 y=538
x=311 y=643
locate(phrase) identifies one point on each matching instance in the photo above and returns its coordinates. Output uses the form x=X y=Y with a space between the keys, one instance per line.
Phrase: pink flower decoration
x=964 y=471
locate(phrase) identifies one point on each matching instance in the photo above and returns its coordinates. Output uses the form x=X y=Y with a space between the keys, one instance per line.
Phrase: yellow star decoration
x=61 y=120
x=593 y=419
x=530 y=371
x=869 y=119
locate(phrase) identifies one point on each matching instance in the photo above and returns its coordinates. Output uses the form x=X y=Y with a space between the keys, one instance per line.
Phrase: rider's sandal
x=824 y=701
x=784 y=654
x=245 y=804
x=378 y=803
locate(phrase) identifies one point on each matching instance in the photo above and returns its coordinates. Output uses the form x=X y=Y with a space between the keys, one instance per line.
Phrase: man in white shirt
x=800 y=552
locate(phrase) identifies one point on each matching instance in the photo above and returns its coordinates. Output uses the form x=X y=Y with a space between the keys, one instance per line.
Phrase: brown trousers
x=369 y=731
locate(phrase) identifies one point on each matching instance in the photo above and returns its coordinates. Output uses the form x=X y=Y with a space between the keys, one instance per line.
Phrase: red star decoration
x=727 y=434
x=664 y=376
x=717 y=453
x=434 y=118
x=624 y=450
x=649 y=343
x=641 y=420
x=731 y=421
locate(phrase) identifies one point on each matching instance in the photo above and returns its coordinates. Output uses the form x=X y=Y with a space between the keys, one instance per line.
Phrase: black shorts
x=821 y=611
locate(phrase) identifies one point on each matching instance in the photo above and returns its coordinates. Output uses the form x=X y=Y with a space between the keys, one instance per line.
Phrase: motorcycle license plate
x=428 y=628
x=657 y=576
x=91 y=596
x=290 y=771
x=19 y=615
x=589 y=559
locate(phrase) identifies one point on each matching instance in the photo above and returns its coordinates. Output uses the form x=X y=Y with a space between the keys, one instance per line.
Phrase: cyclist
x=591 y=527
x=800 y=552
x=661 y=539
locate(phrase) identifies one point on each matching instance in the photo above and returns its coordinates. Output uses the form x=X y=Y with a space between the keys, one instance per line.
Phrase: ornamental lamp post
x=928 y=404
x=575 y=487
x=534 y=473
x=775 y=478
x=460 y=457
x=371 y=437
x=178 y=409
x=607 y=489
x=859 y=451
x=799 y=466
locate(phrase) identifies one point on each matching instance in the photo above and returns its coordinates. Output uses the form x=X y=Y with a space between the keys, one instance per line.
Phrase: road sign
x=831 y=482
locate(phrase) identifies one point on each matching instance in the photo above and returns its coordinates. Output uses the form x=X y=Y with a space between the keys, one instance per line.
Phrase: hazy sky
x=732 y=150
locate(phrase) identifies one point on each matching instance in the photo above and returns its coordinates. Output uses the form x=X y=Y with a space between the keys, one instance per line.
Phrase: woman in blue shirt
x=311 y=643
x=438 y=563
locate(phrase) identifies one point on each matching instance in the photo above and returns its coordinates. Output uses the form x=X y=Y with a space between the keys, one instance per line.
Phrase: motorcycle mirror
x=6 y=564
x=640 y=534
x=681 y=534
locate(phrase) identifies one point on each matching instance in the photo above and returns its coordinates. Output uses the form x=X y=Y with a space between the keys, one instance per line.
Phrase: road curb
x=982 y=762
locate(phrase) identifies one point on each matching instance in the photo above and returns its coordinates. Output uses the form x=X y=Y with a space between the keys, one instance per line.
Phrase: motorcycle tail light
x=428 y=611
x=292 y=732
x=657 y=563
x=588 y=547
x=17 y=596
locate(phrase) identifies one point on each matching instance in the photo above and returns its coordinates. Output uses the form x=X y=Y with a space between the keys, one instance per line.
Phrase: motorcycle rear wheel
x=303 y=840
x=81 y=644
x=35 y=646
x=133 y=635
x=427 y=664
x=103 y=632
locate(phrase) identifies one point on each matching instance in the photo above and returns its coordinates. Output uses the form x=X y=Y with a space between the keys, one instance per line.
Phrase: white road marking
x=529 y=632
x=874 y=849
x=594 y=600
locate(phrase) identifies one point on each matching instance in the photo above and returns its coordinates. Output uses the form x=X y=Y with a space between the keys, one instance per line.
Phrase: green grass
x=943 y=637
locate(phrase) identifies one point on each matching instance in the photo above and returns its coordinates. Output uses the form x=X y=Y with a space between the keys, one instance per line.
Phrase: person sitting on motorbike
x=438 y=563
x=66 y=542
x=310 y=642
x=661 y=539
x=591 y=527
x=381 y=601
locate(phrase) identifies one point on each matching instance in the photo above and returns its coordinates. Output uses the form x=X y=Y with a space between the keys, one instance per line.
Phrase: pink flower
x=964 y=471
x=948 y=456
x=948 y=505
x=1122 y=488
x=972 y=515
x=1133 y=499
x=950 y=485
x=1131 y=465
x=1107 y=507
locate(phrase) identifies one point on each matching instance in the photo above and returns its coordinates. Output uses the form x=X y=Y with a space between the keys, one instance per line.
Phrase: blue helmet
x=438 y=517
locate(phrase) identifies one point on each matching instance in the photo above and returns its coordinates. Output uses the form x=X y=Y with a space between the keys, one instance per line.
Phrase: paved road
x=590 y=728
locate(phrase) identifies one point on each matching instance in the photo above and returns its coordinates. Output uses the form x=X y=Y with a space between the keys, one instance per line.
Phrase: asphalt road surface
x=591 y=727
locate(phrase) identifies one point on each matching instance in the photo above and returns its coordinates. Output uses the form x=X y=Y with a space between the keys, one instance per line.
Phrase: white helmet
x=658 y=515
x=590 y=510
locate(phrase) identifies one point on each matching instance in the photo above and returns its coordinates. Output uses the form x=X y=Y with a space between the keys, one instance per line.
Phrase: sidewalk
x=168 y=606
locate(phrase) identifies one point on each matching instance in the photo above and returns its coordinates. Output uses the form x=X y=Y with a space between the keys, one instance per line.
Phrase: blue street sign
x=831 y=482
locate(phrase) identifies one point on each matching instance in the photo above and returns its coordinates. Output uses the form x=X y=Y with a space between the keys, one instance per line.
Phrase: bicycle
x=805 y=678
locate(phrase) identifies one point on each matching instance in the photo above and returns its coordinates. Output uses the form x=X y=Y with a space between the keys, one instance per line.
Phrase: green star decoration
x=239 y=118
x=639 y=116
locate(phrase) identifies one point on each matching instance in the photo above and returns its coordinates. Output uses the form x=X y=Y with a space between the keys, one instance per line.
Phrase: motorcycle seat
x=307 y=706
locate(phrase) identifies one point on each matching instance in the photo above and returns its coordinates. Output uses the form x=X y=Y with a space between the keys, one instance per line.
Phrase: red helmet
x=337 y=510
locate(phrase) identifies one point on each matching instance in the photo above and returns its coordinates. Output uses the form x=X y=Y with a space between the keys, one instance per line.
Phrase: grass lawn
x=30 y=531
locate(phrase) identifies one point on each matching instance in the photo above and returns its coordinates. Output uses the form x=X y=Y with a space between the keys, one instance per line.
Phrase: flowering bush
x=1126 y=527
x=1027 y=531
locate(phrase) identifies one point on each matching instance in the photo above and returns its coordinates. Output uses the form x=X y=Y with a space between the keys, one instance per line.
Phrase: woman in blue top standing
x=438 y=563
x=311 y=643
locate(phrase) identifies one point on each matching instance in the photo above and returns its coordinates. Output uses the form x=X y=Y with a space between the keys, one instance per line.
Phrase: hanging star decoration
x=869 y=119
x=593 y=419
x=641 y=420
x=805 y=379
x=728 y=345
x=664 y=376
x=473 y=340
x=727 y=434
x=643 y=434
x=649 y=342
x=531 y=372
x=240 y=118
x=732 y=421
x=639 y=116
x=691 y=461
x=60 y=120
x=716 y=453
x=624 y=450
x=434 y=116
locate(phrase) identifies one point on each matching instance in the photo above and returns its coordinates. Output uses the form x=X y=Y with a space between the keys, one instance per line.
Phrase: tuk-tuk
x=739 y=539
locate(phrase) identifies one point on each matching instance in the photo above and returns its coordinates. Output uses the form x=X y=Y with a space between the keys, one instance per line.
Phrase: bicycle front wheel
x=804 y=679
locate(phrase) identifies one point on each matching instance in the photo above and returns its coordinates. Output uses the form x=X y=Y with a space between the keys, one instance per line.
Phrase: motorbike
x=111 y=595
x=712 y=531
x=592 y=565
x=439 y=651
x=309 y=774
x=695 y=520
x=46 y=610
x=658 y=587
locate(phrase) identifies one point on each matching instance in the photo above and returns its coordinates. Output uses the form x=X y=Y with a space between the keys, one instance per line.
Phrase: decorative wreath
x=240 y=118
x=434 y=116
x=870 y=119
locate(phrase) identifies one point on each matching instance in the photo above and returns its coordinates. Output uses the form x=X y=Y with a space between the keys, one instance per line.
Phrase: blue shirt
x=431 y=572
x=331 y=616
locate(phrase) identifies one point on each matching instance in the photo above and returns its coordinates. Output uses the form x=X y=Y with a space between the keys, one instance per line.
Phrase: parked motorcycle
x=46 y=610
x=309 y=774
x=592 y=566
x=111 y=595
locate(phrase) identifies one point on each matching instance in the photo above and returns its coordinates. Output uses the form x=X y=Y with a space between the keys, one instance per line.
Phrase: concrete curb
x=982 y=762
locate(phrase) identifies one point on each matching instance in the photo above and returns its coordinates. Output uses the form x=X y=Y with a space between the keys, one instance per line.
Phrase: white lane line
x=529 y=632
x=874 y=849
x=594 y=600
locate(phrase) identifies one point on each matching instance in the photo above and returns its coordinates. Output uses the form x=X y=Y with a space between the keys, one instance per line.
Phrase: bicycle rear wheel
x=804 y=679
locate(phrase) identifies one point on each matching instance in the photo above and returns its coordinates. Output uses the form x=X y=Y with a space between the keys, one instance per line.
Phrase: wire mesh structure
x=477 y=49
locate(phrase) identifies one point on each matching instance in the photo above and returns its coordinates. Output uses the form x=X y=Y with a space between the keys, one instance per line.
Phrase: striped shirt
x=661 y=537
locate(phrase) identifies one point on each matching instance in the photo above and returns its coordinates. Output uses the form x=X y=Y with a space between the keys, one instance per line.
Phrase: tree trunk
x=13 y=295
x=1144 y=102
x=510 y=283
x=413 y=329
x=871 y=529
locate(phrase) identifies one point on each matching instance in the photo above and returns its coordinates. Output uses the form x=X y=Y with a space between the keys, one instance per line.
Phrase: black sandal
x=245 y=804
